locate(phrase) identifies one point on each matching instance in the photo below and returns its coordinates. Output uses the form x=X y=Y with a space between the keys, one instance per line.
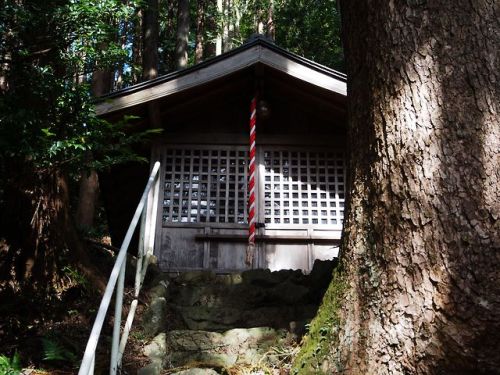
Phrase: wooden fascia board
x=220 y=69
x=299 y=71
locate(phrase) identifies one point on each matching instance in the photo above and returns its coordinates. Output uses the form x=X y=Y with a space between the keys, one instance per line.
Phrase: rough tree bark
x=181 y=47
x=150 y=58
x=200 y=31
x=421 y=242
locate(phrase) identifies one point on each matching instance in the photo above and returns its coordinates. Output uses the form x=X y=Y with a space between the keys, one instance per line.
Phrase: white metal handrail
x=147 y=208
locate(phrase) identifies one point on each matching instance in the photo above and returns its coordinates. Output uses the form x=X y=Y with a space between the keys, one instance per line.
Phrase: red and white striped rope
x=251 y=183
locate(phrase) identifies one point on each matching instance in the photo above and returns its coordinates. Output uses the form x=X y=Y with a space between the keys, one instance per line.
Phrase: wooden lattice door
x=204 y=206
x=302 y=202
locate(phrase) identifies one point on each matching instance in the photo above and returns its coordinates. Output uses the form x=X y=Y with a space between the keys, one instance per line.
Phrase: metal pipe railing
x=117 y=279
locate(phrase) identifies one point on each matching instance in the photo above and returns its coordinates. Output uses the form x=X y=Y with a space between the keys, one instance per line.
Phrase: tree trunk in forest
x=200 y=31
x=87 y=199
x=150 y=54
x=181 y=47
x=150 y=59
x=122 y=37
x=226 y=40
x=421 y=242
x=4 y=68
x=89 y=181
x=270 y=29
x=137 y=46
x=218 y=41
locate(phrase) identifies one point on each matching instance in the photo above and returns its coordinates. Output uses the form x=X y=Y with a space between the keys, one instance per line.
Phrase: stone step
x=212 y=350
x=202 y=323
x=224 y=318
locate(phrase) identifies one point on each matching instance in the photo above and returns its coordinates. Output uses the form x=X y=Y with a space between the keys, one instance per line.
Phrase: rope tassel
x=251 y=184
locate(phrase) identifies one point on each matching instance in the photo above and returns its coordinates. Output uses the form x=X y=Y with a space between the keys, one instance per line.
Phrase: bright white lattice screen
x=205 y=185
x=210 y=185
x=304 y=187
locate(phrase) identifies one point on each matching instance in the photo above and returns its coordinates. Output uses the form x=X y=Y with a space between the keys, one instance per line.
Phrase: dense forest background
x=144 y=39
x=187 y=32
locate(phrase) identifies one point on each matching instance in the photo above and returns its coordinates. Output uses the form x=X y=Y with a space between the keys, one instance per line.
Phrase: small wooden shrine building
x=301 y=160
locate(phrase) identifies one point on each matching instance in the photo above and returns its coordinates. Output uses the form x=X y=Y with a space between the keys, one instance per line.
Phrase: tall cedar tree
x=89 y=180
x=200 y=31
x=181 y=47
x=420 y=251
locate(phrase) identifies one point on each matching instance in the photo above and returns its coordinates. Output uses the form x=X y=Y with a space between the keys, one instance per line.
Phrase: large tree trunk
x=181 y=47
x=421 y=242
x=420 y=283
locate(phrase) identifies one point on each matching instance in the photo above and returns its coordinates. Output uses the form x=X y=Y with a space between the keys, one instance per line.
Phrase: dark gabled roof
x=265 y=52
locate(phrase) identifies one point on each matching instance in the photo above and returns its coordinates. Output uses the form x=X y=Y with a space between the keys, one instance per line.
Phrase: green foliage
x=75 y=277
x=10 y=366
x=307 y=28
x=46 y=114
x=55 y=351
x=323 y=330
x=310 y=29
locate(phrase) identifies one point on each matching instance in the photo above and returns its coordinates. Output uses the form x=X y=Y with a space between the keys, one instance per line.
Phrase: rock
x=295 y=276
x=290 y=293
x=198 y=347
x=195 y=295
x=297 y=329
x=196 y=277
x=321 y=273
x=160 y=290
x=197 y=371
x=220 y=350
x=155 y=317
x=154 y=274
x=151 y=369
x=260 y=277
x=208 y=318
x=230 y=279
x=156 y=350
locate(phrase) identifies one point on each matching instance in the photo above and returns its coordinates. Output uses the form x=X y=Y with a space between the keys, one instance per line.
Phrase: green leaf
x=47 y=132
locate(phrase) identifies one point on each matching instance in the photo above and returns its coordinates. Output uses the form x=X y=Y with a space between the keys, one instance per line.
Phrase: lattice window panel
x=304 y=187
x=205 y=185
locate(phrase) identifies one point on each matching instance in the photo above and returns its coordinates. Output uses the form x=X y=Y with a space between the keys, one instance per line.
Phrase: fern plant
x=54 y=351
x=10 y=366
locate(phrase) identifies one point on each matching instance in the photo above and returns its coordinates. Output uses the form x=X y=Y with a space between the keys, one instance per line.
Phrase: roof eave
x=257 y=51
